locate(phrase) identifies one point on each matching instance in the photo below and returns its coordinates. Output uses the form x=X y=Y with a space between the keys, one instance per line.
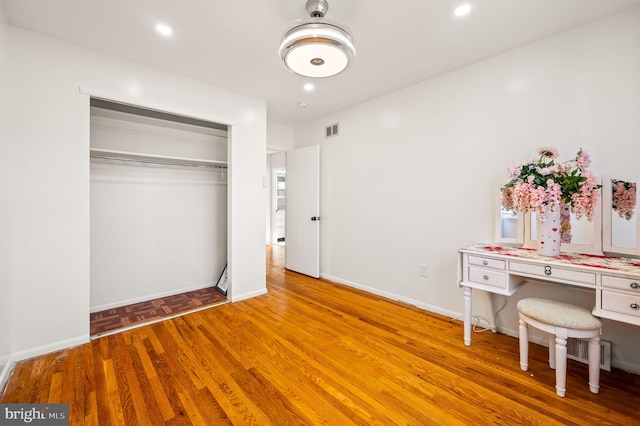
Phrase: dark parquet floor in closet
x=110 y=320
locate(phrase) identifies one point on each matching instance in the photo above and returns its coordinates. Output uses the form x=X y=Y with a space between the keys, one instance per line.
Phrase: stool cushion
x=558 y=314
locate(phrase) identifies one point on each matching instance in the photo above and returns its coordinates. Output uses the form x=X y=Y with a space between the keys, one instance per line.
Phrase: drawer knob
x=635 y=286
x=486 y=277
x=547 y=270
x=485 y=262
x=634 y=306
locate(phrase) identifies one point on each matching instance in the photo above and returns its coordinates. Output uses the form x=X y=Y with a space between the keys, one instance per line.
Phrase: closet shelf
x=108 y=154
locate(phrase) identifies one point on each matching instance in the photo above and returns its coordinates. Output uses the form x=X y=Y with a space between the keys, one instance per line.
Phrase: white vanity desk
x=502 y=270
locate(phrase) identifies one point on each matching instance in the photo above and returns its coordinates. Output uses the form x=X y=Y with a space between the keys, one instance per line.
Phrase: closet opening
x=158 y=213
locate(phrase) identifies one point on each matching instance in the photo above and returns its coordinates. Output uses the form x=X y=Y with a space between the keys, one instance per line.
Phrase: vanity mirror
x=509 y=224
x=581 y=236
x=614 y=228
x=620 y=217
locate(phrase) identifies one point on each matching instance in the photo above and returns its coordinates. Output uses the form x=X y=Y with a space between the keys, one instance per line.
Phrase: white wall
x=5 y=195
x=50 y=210
x=413 y=174
x=125 y=132
x=279 y=160
x=279 y=137
x=155 y=231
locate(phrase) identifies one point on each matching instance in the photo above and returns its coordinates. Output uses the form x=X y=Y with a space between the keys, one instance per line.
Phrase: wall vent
x=331 y=131
x=578 y=349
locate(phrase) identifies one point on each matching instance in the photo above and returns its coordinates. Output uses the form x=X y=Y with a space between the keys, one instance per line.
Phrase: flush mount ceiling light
x=317 y=47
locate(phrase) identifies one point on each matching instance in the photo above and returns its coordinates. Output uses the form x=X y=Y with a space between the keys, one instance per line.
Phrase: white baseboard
x=249 y=295
x=7 y=366
x=120 y=303
x=625 y=366
x=53 y=347
x=5 y=359
x=389 y=295
x=9 y=361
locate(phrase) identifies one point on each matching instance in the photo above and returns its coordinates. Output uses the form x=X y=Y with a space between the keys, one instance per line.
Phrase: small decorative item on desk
x=548 y=188
x=549 y=230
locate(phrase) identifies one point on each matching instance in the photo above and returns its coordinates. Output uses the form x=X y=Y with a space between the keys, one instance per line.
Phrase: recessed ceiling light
x=163 y=29
x=309 y=87
x=462 y=10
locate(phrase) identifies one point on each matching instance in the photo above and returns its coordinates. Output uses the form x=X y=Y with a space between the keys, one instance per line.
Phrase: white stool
x=561 y=320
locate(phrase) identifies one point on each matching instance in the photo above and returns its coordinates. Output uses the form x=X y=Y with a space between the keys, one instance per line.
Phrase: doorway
x=279 y=202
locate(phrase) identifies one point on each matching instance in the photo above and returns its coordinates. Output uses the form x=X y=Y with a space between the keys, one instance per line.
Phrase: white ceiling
x=234 y=43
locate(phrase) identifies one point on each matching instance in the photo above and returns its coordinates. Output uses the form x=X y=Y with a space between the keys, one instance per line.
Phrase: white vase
x=549 y=230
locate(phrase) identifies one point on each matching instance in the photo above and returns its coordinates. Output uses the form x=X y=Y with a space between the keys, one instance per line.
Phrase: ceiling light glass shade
x=317 y=48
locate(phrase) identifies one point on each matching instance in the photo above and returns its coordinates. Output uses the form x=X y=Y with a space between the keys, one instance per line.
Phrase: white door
x=303 y=211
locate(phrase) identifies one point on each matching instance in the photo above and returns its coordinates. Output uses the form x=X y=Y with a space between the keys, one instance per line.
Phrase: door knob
x=314 y=218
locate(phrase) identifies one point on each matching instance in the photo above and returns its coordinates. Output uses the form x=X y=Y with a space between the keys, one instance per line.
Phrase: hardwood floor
x=110 y=320
x=314 y=352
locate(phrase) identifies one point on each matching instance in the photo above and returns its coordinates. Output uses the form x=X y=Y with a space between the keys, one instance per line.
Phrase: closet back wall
x=156 y=230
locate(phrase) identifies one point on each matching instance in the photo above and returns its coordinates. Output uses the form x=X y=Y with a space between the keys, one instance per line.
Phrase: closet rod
x=152 y=159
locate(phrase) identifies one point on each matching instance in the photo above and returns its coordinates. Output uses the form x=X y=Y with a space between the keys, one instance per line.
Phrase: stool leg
x=594 y=364
x=552 y=351
x=561 y=363
x=524 y=345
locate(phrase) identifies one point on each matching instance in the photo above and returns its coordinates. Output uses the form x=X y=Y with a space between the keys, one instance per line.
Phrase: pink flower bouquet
x=536 y=183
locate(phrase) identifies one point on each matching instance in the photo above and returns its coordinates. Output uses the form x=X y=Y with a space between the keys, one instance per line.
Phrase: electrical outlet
x=423 y=271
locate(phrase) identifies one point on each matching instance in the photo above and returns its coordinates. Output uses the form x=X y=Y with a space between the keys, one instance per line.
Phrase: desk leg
x=467 y=316
x=492 y=313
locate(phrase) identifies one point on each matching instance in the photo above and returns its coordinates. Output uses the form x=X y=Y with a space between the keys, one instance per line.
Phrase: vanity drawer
x=621 y=283
x=553 y=272
x=488 y=277
x=487 y=263
x=623 y=303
